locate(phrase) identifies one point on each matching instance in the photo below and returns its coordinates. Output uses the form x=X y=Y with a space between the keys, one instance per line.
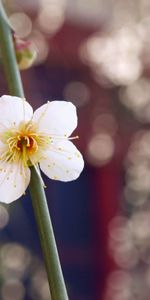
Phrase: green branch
x=48 y=244
x=9 y=58
x=47 y=239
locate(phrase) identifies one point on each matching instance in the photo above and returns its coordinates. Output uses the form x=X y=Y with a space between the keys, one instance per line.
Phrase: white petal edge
x=62 y=162
x=56 y=118
x=14 y=110
x=14 y=180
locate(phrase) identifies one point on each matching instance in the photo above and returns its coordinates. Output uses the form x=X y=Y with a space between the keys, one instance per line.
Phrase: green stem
x=9 y=58
x=48 y=244
x=47 y=239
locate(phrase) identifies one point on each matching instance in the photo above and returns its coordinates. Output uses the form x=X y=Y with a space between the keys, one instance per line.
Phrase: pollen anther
x=23 y=144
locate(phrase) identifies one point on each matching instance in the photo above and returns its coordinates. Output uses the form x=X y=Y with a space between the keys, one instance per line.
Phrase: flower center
x=25 y=144
x=28 y=142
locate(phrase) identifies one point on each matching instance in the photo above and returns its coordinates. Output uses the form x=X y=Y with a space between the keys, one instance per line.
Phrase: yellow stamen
x=24 y=144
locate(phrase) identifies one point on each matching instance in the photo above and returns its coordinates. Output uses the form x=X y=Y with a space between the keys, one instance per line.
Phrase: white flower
x=27 y=139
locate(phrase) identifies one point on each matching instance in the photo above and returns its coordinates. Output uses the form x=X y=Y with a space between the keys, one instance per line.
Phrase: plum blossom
x=31 y=139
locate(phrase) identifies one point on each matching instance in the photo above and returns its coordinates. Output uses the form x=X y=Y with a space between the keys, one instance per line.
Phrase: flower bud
x=25 y=53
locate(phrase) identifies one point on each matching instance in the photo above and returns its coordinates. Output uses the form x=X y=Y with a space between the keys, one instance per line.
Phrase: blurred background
x=95 y=53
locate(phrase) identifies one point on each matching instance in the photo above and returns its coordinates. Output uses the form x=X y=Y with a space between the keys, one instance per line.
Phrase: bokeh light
x=115 y=56
x=4 y=216
x=21 y=24
x=77 y=92
x=22 y=274
x=41 y=46
x=14 y=260
x=50 y=18
x=100 y=149
x=39 y=288
x=13 y=289
x=105 y=122
x=136 y=97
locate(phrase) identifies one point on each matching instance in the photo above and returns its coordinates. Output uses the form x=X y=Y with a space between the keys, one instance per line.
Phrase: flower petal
x=14 y=110
x=14 y=180
x=56 y=118
x=62 y=162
